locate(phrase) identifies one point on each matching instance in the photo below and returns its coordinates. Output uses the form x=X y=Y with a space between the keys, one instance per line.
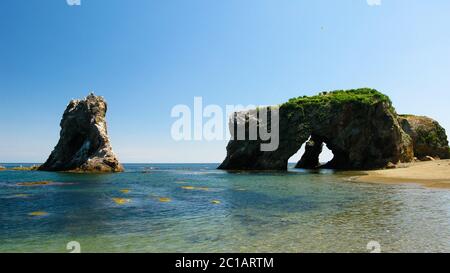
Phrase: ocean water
x=196 y=208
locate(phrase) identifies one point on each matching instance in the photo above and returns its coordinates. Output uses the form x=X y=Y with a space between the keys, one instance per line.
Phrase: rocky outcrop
x=360 y=127
x=84 y=145
x=429 y=138
x=310 y=159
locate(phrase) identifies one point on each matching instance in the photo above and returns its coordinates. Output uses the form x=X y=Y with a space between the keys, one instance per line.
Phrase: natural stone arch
x=310 y=158
x=359 y=126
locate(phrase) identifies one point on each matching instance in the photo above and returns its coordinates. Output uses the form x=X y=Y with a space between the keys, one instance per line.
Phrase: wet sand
x=433 y=174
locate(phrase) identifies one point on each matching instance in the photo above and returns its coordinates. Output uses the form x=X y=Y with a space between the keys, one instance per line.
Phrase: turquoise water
x=297 y=211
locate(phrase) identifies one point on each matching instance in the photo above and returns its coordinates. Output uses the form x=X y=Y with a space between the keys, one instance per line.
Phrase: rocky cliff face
x=84 y=145
x=429 y=138
x=360 y=127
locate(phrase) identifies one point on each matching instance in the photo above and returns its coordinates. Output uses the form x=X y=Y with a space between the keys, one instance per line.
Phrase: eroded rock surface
x=84 y=144
x=429 y=138
x=310 y=159
x=360 y=127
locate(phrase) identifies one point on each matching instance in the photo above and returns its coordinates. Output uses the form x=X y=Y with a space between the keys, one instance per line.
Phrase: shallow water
x=297 y=211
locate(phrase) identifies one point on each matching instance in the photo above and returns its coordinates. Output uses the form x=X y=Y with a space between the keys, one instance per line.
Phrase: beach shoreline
x=431 y=174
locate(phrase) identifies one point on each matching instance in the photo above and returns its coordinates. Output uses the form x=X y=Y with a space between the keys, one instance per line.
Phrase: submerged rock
x=121 y=201
x=38 y=213
x=360 y=127
x=84 y=145
x=35 y=184
x=21 y=195
x=429 y=138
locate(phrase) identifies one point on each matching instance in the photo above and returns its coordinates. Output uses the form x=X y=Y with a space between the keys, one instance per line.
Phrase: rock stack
x=84 y=144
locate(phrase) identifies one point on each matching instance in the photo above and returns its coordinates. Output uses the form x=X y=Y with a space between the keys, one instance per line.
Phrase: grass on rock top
x=363 y=95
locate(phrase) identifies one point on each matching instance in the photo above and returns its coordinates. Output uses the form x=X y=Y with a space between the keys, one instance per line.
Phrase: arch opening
x=326 y=156
x=313 y=154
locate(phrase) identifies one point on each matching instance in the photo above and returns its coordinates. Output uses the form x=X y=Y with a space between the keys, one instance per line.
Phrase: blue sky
x=147 y=56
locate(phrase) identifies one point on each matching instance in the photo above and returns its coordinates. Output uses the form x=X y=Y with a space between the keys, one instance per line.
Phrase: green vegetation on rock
x=362 y=95
x=432 y=137
x=322 y=103
x=359 y=126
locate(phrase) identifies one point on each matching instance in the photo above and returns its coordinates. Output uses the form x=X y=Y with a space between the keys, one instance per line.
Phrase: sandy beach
x=434 y=174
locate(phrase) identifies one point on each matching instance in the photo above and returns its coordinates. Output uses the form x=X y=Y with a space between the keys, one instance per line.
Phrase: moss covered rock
x=429 y=137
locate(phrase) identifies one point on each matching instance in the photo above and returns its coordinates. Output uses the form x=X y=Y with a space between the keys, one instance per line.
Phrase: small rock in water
x=391 y=165
x=84 y=144
x=148 y=170
x=38 y=213
x=121 y=201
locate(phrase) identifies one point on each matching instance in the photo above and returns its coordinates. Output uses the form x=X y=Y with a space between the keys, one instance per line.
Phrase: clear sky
x=146 y=56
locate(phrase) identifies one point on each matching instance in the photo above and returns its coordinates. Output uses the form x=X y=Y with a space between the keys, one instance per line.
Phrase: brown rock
x=429 y=137
x=84 y=144
x=428 y=158
x=391 y=165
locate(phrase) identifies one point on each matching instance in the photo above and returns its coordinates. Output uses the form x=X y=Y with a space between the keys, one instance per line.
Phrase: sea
x=178 y=208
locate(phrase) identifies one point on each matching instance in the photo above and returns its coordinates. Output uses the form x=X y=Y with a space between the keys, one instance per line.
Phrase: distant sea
x=196 y=208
